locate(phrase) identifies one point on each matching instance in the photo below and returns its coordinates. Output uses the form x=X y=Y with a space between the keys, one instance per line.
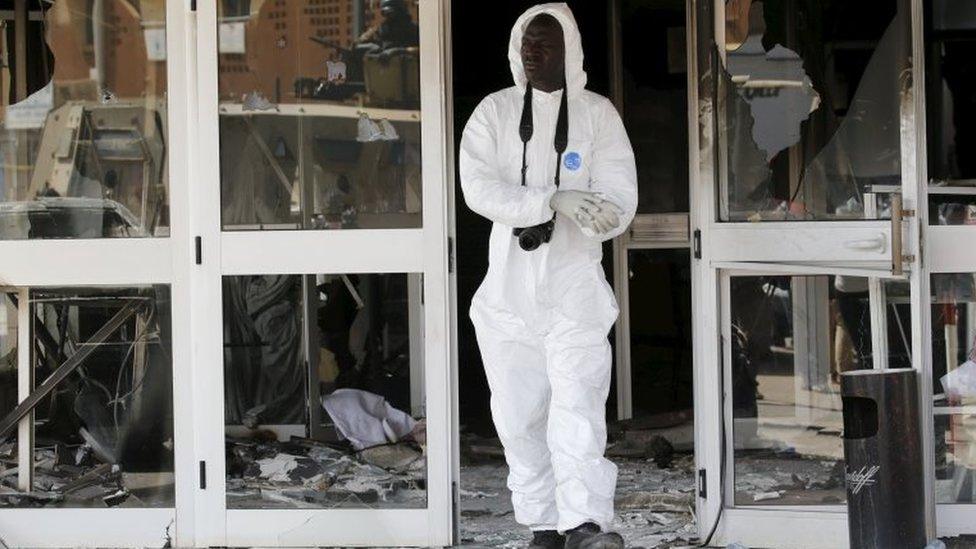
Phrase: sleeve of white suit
x=486 y=191
x=613 y=173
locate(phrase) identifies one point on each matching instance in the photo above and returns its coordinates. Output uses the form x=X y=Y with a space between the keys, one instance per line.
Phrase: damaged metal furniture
x=74 y=446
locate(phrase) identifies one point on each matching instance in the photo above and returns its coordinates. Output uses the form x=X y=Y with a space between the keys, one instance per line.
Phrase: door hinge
x=696 y=243
x=193 y=5
x=198 y=243
x=702 y=484
x=450 y=254
x=203 y=475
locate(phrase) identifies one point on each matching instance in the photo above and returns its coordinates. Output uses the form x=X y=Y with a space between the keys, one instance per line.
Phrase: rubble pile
x=304 y=473
x=72 y=476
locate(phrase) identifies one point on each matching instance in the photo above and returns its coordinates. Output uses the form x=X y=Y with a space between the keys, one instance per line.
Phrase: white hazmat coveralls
x=542 y=317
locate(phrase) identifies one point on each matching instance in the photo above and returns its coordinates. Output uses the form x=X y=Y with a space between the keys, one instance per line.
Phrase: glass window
x=324 y=398
x=811 y=95
x=955 y=457
x=954 y=369
x=950 y=44
x=791 y=338
x=319 y=116
x=102 y=435
x=83 y=121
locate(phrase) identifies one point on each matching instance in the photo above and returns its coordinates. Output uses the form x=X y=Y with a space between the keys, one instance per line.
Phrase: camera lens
x=530 y=239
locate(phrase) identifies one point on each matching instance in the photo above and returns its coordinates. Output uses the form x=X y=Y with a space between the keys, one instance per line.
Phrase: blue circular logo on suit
x=573 y=161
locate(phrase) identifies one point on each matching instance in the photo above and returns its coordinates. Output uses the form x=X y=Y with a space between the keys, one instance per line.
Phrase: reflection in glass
x=951 y=107
x=320 y=114
x=103 y=436
x=954 y=372
x=790 y=339
x=955 y=457
x=811 y=100
x=83 y=122
x=324 y=400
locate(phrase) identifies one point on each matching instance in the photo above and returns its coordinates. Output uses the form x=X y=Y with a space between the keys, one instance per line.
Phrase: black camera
x=530 y=238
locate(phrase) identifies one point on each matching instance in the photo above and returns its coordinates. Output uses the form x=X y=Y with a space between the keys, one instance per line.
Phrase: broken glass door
x=84 y=123
x=329 y=336
x=950 y=30
x=93 y=442
x=811 y=96
x=789 y=340
x=808 y=211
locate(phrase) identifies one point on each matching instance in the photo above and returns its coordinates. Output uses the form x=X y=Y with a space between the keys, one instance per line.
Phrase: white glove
x=590 y=211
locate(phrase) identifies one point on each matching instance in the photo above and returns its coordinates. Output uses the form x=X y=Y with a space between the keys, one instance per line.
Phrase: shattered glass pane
x=811 y=96
x=791 y=337
x=83 y=124
x=954 y=386
x=950 y=45
x=319 y=115
x=324 y=402
x=103 y=435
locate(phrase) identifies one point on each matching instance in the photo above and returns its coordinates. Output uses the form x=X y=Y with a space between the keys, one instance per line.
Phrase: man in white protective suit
x=550 y=164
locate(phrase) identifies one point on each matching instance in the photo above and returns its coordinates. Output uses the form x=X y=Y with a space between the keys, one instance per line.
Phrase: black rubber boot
x=547 y=539
x=589 y=536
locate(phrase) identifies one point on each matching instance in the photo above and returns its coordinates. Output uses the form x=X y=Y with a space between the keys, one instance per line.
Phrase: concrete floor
x=654 y=506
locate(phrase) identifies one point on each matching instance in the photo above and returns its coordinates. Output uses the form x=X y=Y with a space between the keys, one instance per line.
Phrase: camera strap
x=526 y=129
x=526 y=126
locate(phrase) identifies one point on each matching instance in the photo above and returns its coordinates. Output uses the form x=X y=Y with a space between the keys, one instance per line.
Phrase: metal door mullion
x=25 y=385
x=914 y=182
x=621 y=270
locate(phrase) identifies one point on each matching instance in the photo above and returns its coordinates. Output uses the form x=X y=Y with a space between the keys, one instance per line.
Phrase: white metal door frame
x=670 y=232
x=784 y=248
x=705 y=287
x=124 y=262
x=423 y=250
x=656 y=231
x=767 y=525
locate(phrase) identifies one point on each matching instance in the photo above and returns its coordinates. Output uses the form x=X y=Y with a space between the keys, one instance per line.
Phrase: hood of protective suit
x=575 y=75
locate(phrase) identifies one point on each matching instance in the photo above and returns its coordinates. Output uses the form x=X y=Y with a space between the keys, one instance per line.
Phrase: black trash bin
x=884 y=469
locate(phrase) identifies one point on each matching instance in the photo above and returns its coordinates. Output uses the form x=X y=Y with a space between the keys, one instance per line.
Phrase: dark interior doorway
x=651 y=93
x=480 y=58
x=634 y=54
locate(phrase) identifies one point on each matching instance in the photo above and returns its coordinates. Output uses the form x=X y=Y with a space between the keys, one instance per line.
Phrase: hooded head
x=575 y=76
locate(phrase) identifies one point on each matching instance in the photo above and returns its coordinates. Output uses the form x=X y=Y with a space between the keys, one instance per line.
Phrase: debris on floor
x=73 y=477
x=263 y=472
x=655 y=494
x=785 y=477
x=967 y=541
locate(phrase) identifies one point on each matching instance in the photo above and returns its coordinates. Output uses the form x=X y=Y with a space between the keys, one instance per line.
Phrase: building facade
x=230 y=271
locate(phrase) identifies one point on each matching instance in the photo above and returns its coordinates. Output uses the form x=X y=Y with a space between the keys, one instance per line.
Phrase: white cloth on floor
x=960 y=383
x=366 y=419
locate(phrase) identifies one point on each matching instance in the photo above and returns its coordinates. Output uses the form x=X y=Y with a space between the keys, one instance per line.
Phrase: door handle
x=868 y=244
